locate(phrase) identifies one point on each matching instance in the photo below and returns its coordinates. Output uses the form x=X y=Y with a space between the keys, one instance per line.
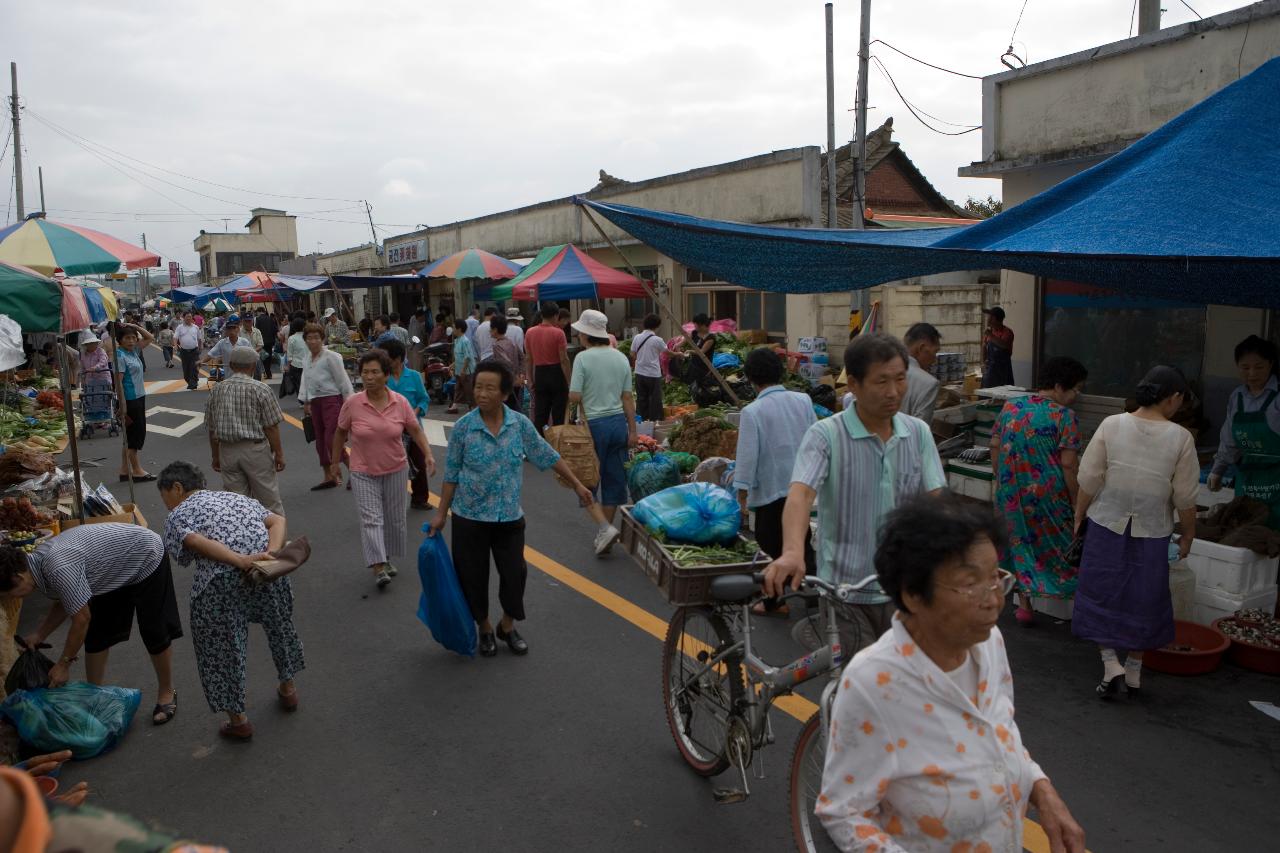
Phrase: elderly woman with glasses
x=924 y=751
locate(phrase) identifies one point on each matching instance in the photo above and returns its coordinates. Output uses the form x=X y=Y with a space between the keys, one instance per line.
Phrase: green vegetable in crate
x=688 y=556
x=676 y=394
x=647 y=476
x=642 y=456
x=686 y=461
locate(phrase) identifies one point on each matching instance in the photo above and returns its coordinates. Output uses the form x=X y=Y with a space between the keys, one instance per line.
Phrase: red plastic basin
x=1250 y=655
x=1208 y=645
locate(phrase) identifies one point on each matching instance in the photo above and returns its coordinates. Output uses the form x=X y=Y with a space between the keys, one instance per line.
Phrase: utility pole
x=831 y=124
x=860 y=171
x=40 y=173
x=17 y=143
x=1148 y=16
x=146 y=276
x=382 y=260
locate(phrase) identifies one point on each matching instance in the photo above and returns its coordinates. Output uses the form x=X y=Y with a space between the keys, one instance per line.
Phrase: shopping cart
x=98 y=406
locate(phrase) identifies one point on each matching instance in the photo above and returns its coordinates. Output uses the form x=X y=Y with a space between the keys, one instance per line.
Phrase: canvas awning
x=1191 y=212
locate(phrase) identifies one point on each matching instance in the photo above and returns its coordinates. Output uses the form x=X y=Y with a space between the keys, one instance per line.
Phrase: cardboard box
x=754 y=336
x=131 y=515
x=808 y=345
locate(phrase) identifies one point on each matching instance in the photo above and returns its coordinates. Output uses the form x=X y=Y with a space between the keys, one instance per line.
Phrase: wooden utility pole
x=40 y=174
x=17 y=142
x=860 y=168
x=831 y=123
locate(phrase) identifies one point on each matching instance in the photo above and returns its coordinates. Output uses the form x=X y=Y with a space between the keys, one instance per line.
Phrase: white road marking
x=435 y=432
x=193 y=420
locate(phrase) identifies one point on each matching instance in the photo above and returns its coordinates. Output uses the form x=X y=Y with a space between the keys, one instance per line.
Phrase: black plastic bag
x=823 y=396
x=30 y=670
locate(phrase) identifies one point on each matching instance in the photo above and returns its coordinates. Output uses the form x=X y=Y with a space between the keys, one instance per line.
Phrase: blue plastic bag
x=442 y=607
x=700 y=513
x=649 y=476
x=82 y=717
x=725 y=361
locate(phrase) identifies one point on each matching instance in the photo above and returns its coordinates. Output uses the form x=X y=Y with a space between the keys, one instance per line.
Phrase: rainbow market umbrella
x=44 y=246
x=567 y=272
x=471 y=263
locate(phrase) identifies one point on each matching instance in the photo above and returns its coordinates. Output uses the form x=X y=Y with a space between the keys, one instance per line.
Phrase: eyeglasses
x=977 y=592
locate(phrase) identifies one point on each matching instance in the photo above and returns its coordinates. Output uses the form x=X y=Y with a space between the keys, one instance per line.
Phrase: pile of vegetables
x=49 y=400
x=687 y=556
x=676 y=393
x=647 y=443
x=701 y=433
x=19 y=514
x=41 y=430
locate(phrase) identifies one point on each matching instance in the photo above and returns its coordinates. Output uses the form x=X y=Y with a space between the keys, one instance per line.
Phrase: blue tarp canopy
x=1191 y=212
x=189 y=293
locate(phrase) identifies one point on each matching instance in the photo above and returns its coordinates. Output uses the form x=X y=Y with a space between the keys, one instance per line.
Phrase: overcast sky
x=439 y=111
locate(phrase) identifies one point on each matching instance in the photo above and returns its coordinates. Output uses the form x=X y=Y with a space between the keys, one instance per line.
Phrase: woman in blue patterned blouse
x=482 y=479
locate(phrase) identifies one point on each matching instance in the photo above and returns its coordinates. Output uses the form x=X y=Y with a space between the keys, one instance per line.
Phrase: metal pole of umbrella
x=69 y=414
x=661 y=303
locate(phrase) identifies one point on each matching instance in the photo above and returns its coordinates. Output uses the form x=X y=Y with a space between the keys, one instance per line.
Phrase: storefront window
x=749 y=311
x=775 y=312
x=1120 y=337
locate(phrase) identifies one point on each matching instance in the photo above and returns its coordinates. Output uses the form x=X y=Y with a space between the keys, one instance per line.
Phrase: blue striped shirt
x=769 y=436
x=859 y=479
x=94 y=559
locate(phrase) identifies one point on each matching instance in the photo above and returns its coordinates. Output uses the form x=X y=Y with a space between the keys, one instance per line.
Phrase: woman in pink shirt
x=375 y=419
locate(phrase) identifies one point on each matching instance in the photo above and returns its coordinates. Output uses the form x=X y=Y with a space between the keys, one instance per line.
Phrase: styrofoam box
x=811 y=345
x=1213 y=604
x=1238 y=571
x=1057 y=608
x=971 y=487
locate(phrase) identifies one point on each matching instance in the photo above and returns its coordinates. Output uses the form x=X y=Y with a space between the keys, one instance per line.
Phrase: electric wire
x=922 y=62
x=1193 y=11
x=917 y=112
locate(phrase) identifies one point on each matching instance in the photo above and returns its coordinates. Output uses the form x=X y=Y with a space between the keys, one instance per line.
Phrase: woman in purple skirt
x=1137 y=470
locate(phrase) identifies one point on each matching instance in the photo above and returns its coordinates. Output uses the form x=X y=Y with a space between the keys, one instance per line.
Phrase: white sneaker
x=605 y=539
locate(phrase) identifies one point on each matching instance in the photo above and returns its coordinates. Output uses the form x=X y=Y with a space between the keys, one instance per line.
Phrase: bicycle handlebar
x=841 y=592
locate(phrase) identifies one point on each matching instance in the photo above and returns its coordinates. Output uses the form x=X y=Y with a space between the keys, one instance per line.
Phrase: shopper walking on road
x=504 y=349
x=483 y=340
x=1035 y=457
x=601 y=385
x=464 y=366
x=297 y=354
x=101 y=575
x=374 y=419
x=858 y=465
x=547 y=369
x=131 y=392
x=269 y=328
x=223 y=534
x=482 y=484
x=408 y=383
x=323 y=388
x=1138 y=470
x=243 y=418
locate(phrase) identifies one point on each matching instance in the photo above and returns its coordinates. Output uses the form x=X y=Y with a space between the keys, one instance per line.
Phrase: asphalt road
x=400 y=745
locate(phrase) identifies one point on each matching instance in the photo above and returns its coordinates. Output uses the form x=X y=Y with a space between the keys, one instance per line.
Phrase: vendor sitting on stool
x=1251 y=433
x=100 y=575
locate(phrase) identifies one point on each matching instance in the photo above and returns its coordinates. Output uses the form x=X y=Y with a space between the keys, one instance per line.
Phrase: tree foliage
x=984 y=208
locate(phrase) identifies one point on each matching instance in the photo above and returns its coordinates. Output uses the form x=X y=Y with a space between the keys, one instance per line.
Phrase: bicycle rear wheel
x=699 y=703
x=806 y=783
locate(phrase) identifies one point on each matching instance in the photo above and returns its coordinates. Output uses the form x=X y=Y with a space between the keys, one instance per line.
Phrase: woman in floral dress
x=223 y=534
x=1035 y=453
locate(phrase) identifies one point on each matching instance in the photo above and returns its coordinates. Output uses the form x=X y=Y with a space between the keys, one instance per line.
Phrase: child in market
x=165 y=339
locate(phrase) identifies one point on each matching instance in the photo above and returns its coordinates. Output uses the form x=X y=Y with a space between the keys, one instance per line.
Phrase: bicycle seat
x=734 y=588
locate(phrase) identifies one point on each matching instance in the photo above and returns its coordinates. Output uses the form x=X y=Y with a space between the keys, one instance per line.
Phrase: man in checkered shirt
x=243 y=418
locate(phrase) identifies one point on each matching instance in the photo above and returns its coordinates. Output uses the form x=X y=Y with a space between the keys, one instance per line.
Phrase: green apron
x=1259 y=466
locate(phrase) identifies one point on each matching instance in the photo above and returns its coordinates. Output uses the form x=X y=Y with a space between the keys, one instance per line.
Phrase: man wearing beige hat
x=243 y=418
x=515 y=332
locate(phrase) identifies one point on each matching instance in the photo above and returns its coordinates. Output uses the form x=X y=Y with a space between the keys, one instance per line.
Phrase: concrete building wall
x=358 y=260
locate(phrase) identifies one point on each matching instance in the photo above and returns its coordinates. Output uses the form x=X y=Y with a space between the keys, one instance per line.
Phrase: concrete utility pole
x=17 y=143
x=1148 y=16
x=831 y=124
x=860 y=170
x=146 y=276
x=40 y=173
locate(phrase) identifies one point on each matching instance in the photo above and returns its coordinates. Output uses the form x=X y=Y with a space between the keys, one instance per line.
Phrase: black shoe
x=1109 y=688
x=488 y=648
x=423 y=505
x=514 y=641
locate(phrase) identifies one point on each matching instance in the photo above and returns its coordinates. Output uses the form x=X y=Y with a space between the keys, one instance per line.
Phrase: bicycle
x=714 y=683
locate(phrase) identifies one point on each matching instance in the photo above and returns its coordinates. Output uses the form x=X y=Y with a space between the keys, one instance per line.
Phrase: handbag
x=1075 y=551
x=294 y=553
x=308 y=429
x=577 y=448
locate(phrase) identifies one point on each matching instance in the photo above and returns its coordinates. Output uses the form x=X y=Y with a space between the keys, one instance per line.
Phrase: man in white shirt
x=484 y=340
x=646 y=352
x=923 y=342
x=515 y=333
x=187 y=337
x=218 y=354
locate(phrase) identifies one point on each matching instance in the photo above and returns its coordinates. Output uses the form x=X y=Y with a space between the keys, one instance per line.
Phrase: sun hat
x=513 y=313
x=89 y=338
x=593 y=324
x=329 y=312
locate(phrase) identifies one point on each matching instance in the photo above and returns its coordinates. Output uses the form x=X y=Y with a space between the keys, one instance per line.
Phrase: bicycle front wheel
x=699 y=699
x=806 y=783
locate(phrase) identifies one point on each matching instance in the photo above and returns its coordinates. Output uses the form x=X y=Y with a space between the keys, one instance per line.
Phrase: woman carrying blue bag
x=482 y=479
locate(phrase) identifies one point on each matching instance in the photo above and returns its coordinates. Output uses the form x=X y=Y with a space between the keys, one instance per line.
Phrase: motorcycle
x=437 y=370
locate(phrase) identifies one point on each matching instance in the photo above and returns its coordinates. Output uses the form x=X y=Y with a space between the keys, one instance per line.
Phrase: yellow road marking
x=1034 y=839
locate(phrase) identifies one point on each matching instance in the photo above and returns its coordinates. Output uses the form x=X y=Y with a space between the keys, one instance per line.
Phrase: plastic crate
x=682 y=585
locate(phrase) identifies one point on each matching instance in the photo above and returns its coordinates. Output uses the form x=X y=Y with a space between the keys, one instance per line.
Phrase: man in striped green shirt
x=858 y=465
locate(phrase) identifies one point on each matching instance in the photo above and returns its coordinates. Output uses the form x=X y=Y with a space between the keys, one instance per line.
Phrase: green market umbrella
x=32 y=300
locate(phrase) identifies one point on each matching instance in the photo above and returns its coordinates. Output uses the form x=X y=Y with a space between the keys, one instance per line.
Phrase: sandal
x=327 y=484
x=236 y=731
x=288 y=701
x=165 y=711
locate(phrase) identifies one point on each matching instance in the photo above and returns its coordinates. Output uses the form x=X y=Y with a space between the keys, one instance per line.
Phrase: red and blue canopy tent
x=567 y=272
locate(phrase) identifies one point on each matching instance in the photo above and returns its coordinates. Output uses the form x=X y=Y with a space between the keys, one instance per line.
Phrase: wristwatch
x=68 y=660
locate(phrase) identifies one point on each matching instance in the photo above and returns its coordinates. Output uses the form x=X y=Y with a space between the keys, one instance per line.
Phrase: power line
x=190 y=177
x=922 y=62
x=1017 y=23
x=1133 y=15
x=1193 y=11
x=917 y=112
